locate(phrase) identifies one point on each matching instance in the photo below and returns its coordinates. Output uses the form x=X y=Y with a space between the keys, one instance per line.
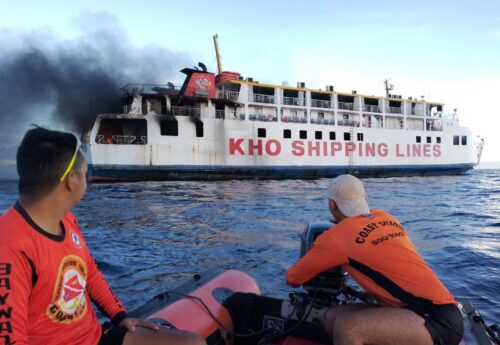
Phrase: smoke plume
x=65 y=84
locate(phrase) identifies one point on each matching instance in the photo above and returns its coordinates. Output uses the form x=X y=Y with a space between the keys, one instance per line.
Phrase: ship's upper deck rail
x=247 y=102
x=300 y=97
x=150 y=89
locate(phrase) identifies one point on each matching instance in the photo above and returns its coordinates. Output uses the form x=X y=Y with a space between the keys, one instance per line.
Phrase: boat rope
x=230 y=333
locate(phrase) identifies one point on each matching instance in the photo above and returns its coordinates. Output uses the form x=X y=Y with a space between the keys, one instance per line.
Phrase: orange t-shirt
x=47 y=282
x=376 y=251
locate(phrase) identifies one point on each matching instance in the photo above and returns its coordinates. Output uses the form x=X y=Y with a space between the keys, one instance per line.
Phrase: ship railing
x=349 y=123
x=371 y=108
x=185 y=111
x=450 y=116
x=99 y=139
x=433 y=125
x=435 y=114
x=373 y=124
x=230 y=95
x=394 y=110
x=262 y=117
x=144 y=139
x=238 y=117
x=346 y=106
x=262 y=98
x=415 y=112
x=124 y=139
x=320 y=103
x=293 y=101
x=140 y=89
x=322 y=121
x=294 y=118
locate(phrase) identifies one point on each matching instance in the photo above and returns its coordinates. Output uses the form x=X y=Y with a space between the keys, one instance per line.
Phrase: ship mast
x=388 y=87
x=219 y=65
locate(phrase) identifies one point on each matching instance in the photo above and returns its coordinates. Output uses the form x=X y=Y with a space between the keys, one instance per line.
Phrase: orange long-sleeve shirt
x=47 y=282
x=378 y=255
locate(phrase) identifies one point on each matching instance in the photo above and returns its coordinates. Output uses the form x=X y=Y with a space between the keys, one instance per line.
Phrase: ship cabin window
x=261 y=132
x=464 y=140
x=220 y=111
x=438 y=140
x=321 y=115
x=169 y=126
x=318 y=135
x=456 y=140
x=360 y=136
x=321 y=100
x=263 y=94
x=371 y=105
x=199 y=129
x=347 y=136
x=395 y=107
x=287 y=134
x=332 y=135
x=419 y=139
x=346 y=102
x=291 y=97
x=303 y=134
x=122 y=131
x=429 y=140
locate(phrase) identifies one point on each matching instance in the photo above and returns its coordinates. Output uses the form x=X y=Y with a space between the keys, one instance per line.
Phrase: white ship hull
x=232 y=149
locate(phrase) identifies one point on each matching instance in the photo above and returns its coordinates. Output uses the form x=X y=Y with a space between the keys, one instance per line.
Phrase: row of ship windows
x=318 y=135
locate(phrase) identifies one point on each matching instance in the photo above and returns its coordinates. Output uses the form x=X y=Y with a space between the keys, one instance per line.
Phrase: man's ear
x=70 y=181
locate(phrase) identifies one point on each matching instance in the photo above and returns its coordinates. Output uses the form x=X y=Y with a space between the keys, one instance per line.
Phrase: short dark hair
x=42 y=158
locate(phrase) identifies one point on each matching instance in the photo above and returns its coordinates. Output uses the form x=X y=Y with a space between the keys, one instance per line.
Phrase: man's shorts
x=443 y=321
x=112 y=335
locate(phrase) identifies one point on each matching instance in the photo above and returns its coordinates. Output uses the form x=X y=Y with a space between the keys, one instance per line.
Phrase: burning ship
x=225 y=126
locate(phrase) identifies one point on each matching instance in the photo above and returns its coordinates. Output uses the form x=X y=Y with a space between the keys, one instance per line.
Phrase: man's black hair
x=42 y=158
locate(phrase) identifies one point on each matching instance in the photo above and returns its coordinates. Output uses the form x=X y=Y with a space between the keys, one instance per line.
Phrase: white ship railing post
x=335 y=103
x=307 y=104
x=244 y=91
x=279 y=102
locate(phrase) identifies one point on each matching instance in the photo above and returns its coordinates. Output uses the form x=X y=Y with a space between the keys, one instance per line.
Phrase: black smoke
x=65 y=84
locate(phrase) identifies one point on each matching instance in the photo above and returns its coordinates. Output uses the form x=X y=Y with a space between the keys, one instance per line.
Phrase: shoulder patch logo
x=76 y=239
x=69 y=300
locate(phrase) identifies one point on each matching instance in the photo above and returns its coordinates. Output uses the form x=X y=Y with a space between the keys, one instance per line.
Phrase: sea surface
x=148 y=237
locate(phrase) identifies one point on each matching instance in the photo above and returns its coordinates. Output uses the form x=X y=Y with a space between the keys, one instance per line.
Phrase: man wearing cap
x=47 y=275
x=414 y=307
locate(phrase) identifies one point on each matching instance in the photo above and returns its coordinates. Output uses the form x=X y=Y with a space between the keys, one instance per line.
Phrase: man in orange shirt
x=414 y=307
x=47 y=274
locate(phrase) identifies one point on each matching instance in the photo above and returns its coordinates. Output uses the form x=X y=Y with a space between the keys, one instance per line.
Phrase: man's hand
x=130 y=324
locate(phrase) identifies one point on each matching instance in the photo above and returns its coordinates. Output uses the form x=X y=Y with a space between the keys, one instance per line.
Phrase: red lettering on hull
x=299 y=148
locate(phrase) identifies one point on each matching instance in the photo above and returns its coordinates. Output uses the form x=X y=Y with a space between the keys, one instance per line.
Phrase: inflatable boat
x=226 y=308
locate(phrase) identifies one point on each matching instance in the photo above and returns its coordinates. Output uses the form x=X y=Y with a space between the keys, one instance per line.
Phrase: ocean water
x=148 y=237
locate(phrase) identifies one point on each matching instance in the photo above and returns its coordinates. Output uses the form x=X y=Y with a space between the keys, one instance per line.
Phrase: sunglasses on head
x=72 y=161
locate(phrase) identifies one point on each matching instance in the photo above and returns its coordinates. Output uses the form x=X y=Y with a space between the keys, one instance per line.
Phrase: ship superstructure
x=226 y=126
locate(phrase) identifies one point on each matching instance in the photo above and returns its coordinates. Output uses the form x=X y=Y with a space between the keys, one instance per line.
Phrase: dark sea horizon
x=148 y=237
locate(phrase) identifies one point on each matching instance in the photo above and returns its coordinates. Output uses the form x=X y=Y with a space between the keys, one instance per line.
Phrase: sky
x=447 y=51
